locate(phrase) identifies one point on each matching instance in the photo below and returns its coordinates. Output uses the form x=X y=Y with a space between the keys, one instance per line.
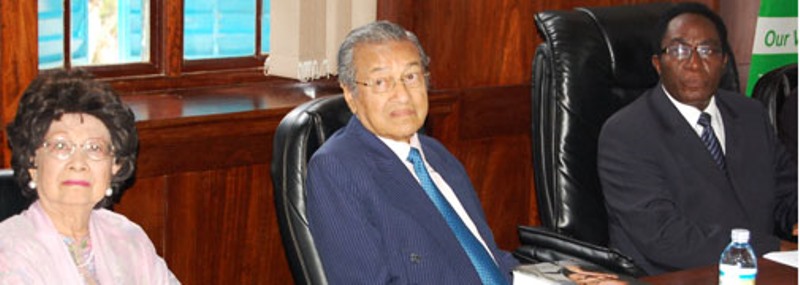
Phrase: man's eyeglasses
x=94 y=149
x=384 y=84
x=682 y=51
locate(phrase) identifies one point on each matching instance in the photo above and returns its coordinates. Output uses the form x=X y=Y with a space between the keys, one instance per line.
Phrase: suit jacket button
x=415 y=258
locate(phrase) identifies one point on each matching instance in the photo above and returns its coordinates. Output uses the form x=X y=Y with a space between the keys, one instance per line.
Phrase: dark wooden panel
x=488 y=43
x=227 y=142
x=569 y=4
x=769 y=273
x=399 y=11
x=498 y=111
x=172 y=39
x=740 y=19
x=495 y=146
x=213 y=128
x=145 y=203
x=181 y=106
x=222 y=228
x=192 y=80
x=502 y=173
x=18 y=58
x=204 y=179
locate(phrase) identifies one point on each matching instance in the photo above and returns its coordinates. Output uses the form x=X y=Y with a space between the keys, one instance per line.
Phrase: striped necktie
x=481 y=260
x=710 y=140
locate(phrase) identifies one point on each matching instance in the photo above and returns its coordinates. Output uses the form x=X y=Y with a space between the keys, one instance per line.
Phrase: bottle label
x=735 y=275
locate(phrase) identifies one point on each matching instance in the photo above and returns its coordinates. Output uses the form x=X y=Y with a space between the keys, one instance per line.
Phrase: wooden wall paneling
x=495 y=146
x=146 y=204
x=195 y=80
x=442 y=121
x=487 y=42
x=18 y=59
x=401 y=12
x=500 y=169
x=568 y=5
x=219 y=223
x=204 y=195
x=496 y=111
x=740 y=18
x=172 y=38
x=206 y=143
x=222 y=228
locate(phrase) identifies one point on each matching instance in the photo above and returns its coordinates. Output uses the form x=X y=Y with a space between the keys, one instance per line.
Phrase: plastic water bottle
x=737 y=264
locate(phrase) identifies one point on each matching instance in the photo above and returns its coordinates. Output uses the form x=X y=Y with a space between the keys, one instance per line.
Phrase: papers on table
x=540 y=274
x=567 y=272
x=783 y=257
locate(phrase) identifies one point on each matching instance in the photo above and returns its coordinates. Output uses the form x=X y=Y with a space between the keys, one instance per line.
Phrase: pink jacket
x=33 y=252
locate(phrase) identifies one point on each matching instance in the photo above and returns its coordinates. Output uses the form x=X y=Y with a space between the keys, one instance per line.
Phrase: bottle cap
x=740 y=235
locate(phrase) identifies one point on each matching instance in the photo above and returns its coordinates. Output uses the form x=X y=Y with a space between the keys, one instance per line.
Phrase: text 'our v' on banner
x=775 y=42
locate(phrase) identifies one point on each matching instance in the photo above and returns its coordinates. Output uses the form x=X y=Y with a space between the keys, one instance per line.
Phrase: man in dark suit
x=378 y=190
x=675 y=184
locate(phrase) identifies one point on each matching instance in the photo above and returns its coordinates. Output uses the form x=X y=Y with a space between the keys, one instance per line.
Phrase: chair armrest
x=543 y=245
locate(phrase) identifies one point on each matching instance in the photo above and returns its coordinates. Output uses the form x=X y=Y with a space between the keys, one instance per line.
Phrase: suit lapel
x=735 y=161
x=684 y=138
x=733 y=131
x=403 y=192
x=681 y=136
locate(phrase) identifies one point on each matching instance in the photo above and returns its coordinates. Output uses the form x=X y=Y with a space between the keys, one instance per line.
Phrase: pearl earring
x=109 y=192
x=31 y=184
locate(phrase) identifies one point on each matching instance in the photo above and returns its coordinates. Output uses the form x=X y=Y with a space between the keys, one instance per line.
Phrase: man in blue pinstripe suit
x=371 y=219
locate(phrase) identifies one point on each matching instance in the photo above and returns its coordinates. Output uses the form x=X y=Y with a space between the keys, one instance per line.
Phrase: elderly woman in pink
x=73 y=145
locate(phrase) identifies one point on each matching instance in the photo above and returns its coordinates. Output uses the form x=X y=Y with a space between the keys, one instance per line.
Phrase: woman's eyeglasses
x=94 y=149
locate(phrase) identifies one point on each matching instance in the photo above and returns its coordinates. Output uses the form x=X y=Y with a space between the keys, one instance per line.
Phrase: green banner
x=775 y=42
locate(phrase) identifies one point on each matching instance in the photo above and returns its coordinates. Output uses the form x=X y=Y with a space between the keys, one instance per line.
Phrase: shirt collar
x=401 y=149
x=689 y=112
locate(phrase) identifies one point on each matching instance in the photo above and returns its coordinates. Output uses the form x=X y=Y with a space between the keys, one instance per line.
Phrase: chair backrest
x=11 y=200
x=774 y=87
x=298 y=136
x=593 y=62
x=777 y=90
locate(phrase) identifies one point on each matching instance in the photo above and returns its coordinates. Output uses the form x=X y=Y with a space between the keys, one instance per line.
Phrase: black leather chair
x=774 y=87
x=11 y=200
x=593 y=62
x=298 y=136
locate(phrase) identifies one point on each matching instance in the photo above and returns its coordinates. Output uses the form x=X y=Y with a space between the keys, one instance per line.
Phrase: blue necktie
x=710 y=140
x=481 y=260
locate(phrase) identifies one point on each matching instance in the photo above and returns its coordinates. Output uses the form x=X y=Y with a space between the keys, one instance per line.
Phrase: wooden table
x=769 y=272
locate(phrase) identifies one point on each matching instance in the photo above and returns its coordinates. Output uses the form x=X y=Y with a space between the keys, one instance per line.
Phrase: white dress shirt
x=692 y=114
x=402 y=150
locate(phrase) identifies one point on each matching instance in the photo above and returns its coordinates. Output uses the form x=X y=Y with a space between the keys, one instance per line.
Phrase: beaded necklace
x=83 y=255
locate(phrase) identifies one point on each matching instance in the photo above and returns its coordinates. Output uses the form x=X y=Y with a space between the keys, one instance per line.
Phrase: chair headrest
x=627 y=32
